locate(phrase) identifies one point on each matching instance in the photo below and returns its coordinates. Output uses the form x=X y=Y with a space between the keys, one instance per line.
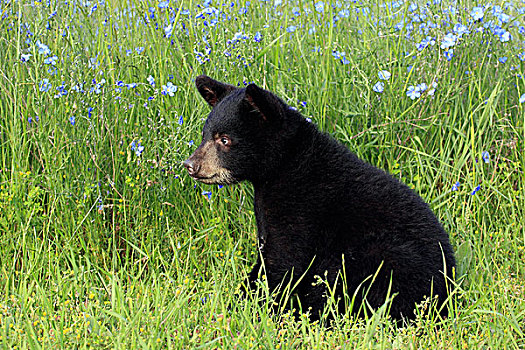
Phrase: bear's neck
x=306 y=152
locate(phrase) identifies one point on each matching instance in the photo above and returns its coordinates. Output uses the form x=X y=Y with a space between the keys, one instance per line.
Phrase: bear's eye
x=224 y=140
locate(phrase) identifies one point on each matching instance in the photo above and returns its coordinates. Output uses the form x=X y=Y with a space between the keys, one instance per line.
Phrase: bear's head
x=243 y=136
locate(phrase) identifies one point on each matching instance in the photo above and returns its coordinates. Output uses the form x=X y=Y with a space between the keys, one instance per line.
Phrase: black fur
x=315 y=201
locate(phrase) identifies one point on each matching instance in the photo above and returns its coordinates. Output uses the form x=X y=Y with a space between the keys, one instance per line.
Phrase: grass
x=107 y=245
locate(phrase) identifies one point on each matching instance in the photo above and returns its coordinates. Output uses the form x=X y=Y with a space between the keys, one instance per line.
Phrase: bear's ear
x=213 y=91
x=264 y=103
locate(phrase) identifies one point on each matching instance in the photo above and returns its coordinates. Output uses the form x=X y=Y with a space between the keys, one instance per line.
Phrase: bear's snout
x=191 y=166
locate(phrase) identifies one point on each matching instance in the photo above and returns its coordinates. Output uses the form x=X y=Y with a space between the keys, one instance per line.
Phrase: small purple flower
x=257 y=37
x=181 y=120
x=455 y=187
x=72 y=120
x=207 y=194
x=502 y=59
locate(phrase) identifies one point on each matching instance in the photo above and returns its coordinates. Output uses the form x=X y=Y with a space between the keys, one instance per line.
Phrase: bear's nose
x=190 y=165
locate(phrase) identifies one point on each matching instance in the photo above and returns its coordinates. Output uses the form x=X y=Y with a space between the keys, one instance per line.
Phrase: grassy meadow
x=105 y=242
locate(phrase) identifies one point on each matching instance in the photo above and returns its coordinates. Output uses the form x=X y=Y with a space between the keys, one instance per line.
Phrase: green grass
x=102 y=248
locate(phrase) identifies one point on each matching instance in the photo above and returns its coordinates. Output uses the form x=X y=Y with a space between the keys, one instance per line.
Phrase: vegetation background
x=106 y=242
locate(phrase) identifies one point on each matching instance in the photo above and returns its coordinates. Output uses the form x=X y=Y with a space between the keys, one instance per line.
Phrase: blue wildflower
x=136 y=147
x=503 y=17
x=477 y=13
x=169 y=89
x=25 y=57
x=151 y=80
x=78 y=88
x=413 y=92
x=448 y=41
x=319 y=7
x=181 y=120
x=502 y=59
x=455 y=187
x=461 y=29
x=207 y=194
x=45 y=85
x=522 y=98
x=291 y=29
x=449 y=54
x=51 y=60
x=425 y=43
x=433 y=89
x=92 y=10
x=62 y=91
x=485 y=156
x=257 y=37
x=379 y=87
x=163 y=4
x=341 y=56
x=168 y=30
x=72 y=120
x=384 y=74
x=43 y=49
x=505 y=37
x=476 y=190
x=238 y=37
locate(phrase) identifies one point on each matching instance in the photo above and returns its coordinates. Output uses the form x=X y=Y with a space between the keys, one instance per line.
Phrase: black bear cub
x=318 y=206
